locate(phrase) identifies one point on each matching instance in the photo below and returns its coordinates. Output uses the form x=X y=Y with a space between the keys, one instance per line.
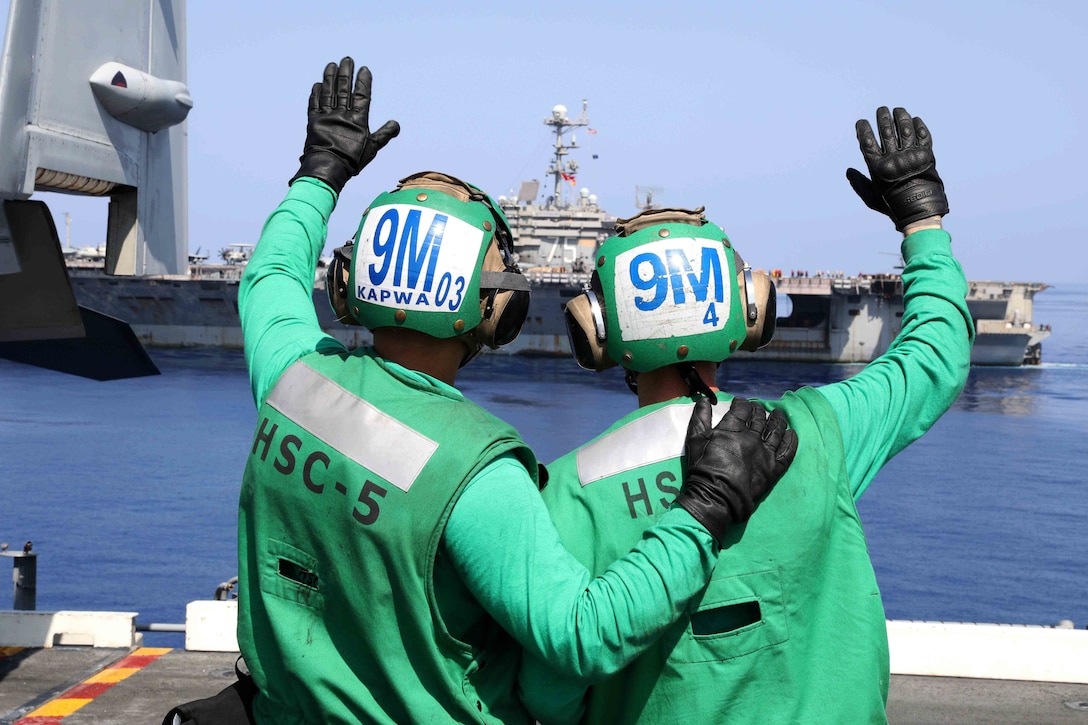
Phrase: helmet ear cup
x=504 y=312
x=504 y=299
x=336 y=283
x=509 y=311
x=585 y=322
x=759 y=300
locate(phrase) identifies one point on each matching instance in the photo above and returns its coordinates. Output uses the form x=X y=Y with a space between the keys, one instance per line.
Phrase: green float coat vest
x=791 y=628
x=351 y=620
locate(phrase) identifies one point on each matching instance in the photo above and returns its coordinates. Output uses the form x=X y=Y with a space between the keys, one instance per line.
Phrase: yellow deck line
x=62 y=706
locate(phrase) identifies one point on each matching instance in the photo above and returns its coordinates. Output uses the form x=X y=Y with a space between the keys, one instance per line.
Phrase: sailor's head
x=434 y=255
x=669 y=289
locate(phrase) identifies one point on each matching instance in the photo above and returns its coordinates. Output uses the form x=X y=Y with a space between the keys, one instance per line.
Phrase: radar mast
x=564 y=171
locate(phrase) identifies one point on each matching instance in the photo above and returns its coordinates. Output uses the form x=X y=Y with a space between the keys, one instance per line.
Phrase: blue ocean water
x=128 y=489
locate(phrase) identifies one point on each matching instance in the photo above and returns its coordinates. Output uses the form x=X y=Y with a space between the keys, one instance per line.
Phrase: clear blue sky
x=746 y=108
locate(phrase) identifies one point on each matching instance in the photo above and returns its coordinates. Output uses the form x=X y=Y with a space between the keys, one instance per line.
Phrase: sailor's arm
x=503 y=544
x=898 y=396
x=275 y=299
x=506 y=549
x=275 y=296
x=901 y=394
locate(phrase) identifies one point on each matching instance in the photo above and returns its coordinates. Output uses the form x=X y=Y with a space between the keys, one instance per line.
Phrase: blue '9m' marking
x=409 y=249
x=657 y=280
x=671 y=272
x=383 y=245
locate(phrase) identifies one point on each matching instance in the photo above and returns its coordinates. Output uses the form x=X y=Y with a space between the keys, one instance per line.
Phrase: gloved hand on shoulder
x=732 y=466
x=338 y=138
x=904 y=185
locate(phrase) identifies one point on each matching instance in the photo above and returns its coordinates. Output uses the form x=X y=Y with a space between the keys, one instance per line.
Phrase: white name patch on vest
x=671 y=288
x=351 y=425
x=652 y=438
x=415 y=258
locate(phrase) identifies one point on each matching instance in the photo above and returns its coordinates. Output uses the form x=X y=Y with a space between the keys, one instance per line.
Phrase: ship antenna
x=562 y=171
x=644 y=197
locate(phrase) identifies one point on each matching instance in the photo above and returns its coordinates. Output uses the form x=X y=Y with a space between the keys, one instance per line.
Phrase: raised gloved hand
x=732 y=466
x=338 y=138
x=904 y=185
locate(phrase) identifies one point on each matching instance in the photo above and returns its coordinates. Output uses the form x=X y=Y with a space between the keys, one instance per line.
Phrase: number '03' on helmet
x=435 y=255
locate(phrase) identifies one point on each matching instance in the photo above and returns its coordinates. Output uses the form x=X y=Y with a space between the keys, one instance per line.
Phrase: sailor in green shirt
x=791 y=628
x=395 y=555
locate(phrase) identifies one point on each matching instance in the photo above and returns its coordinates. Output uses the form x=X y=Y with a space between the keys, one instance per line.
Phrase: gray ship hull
x=836 y=320
x=832 y=320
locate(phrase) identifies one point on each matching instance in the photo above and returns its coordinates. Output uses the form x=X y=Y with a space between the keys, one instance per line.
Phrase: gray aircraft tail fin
x=93 y=102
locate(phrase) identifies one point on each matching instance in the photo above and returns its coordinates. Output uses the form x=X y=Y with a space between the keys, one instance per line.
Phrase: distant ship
x=826 y=317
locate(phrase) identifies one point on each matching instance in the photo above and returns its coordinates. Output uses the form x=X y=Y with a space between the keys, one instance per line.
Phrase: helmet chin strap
x=695 y=381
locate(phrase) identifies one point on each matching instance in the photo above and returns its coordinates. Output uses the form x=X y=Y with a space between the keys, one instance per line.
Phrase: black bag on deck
x=232 y=706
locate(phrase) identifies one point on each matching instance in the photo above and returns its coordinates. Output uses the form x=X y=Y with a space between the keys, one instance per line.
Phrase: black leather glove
x=732 y=466
x=904 y=184
x=338 y=138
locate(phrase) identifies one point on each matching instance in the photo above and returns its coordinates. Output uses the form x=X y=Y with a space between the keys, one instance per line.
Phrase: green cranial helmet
x=668 y=291
x=435 y=255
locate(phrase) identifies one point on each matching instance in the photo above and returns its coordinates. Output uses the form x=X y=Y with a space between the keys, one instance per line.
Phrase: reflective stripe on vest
x=653 y=438
x=650 y=439
x=351 y=425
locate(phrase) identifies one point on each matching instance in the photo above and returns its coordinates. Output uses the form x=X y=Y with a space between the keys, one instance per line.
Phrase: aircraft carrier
x=826 y=317
x=831 y=319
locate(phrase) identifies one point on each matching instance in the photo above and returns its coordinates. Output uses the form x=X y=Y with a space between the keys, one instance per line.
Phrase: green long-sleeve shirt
x=900 y=395
x=499 y=540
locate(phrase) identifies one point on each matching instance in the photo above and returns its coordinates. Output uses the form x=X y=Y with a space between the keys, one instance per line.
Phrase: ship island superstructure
x=556 y=236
